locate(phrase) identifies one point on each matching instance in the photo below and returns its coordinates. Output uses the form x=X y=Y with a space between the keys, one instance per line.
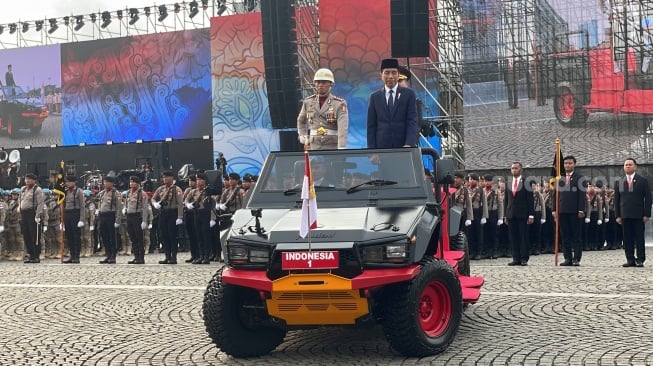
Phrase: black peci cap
x=168 y=173
x=234 y=176
x=71 y=178
x=389 y=63
x=135 y=179
x=108 y=179
x=202 y=176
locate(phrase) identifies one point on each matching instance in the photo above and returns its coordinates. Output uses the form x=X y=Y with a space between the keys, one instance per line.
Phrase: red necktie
x=568 y=179
x=514 y=187
x=630 y=182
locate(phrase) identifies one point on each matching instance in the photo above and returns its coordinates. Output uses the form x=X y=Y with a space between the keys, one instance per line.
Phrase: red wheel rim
x=566 y=105
x=434 y=309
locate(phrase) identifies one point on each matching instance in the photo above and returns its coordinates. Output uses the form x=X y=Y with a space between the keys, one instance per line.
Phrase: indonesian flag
x=309 y=203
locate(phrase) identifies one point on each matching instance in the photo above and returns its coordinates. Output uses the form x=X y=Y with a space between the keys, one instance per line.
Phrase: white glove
x=80 y=224
x=91 y=228
x=606 y=220
x=190 y=206
x=149 y=226
x=37 y=220
x=542 y=221
x=97 y=212
x=587 y=220
x=2 y=228
x=116 y=225
x=468 y=222
x=45 y=228
x=599 y=222
x=156 y=204
x=483 y=221
x=212 y=223
x=124 y=210
x=303 y=139
x=143 y=225
x=499 y=222
x=221 y=206
x=179 y=222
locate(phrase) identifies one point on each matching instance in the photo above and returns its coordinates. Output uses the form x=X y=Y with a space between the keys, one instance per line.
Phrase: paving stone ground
x=90 y=314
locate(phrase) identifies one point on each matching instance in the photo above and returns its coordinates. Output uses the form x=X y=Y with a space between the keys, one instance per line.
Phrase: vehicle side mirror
x=444 y=171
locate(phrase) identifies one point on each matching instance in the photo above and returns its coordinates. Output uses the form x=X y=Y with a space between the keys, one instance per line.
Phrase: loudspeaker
x=281 y=62
x=409 y=28
x=288 y=141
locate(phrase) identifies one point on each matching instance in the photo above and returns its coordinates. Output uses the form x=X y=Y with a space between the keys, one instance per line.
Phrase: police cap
x=168 y=173
x=202 y=176
x=135 y=179
x=234 y=176
x=108 y=179
x=31 y=176
x=71 y=178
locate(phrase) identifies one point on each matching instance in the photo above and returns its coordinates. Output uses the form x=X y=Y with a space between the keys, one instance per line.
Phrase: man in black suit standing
x=632 y=203
x=519 y=213
x=570 y=210
x=392 y=113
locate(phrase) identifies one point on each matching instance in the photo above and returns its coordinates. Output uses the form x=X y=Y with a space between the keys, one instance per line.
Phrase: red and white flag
x=309 y=203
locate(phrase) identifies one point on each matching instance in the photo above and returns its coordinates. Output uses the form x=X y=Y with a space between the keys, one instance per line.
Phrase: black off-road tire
x=460 y=242
x=568 y=108
x=421 y=317
x=230 y=316
x=11 y=127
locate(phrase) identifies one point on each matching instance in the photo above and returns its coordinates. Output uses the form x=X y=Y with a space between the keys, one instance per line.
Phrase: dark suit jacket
x=396 y=128
x=572 y=196
x=521 y=206
x=633 y=203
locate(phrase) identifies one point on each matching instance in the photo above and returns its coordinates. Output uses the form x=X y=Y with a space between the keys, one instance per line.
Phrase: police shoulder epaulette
x=312 y=96
x=338 y=98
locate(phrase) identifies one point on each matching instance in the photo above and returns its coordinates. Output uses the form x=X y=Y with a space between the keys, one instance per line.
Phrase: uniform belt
x=326 y=133
x=107 y=213
x=133 y=214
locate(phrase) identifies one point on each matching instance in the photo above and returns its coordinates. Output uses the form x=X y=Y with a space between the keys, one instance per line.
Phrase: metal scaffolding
x=308 y=43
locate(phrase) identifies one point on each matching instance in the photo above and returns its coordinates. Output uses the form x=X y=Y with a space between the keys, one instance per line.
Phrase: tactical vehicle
x=20 y=111
x=380 y=254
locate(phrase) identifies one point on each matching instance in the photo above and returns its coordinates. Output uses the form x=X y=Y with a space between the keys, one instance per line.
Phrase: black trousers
x=29 y=230
x=191 y=230
x=108 y=232
x=513 y=95
x=203 y=227
x=535 y=233
x=570 y=229
x=168 y=231
x=73 y=233
x=490 y=232
x=633 y=230
x=476 y=234
x=518 y=229
x=135 y=233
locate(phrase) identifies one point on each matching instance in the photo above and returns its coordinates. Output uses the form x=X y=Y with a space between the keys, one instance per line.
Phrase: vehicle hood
x=334 y=224
x=32 y=102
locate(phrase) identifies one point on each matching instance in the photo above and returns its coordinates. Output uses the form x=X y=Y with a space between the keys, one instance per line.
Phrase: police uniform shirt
x=479 y=201
x=3 y=212
x=110 y=201
x=53 y=211
x=32 y=199
x=232 y=198
x=326 y=126
x=201 y=200
x=75 y=201
x=462 y=199
x=136 y=202
x=493 y=201
x=170 y=197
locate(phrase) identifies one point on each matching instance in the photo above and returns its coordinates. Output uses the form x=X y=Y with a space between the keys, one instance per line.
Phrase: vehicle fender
x=582 y=97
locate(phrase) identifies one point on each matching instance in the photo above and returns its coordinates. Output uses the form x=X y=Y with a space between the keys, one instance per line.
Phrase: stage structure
x=114 y=23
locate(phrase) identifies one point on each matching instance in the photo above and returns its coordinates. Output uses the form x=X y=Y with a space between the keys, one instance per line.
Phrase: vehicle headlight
x=373 y=254
x=238 y=253
x=259 y=256
x=395 y=251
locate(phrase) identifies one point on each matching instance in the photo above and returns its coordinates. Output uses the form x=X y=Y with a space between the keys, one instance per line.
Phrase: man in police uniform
x=30 y=204
x=73 y=218
x=109 y=212
x=169 y=198
x=136 y=211
x=323 y=122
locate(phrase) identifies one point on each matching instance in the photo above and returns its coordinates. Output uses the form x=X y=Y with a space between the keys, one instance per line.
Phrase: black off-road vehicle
x=20 y=111
x=380 y=253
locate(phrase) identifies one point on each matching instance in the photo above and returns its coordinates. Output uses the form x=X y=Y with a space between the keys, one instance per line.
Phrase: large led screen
x=148 y=88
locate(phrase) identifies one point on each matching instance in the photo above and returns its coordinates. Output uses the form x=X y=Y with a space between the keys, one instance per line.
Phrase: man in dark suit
x=570 y=210
x=632 y=203
x=392 y=113
x=519 y=213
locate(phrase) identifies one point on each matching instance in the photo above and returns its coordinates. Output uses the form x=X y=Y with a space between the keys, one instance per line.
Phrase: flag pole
x=308 y=211
x=557 y=203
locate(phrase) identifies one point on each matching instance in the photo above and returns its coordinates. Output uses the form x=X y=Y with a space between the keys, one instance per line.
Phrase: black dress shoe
x=68 y=261
x=172 y=261
x=104 y=261
x=514 y=263
x=165 y=261
x=575 y=263
x=629 y=264
x=133 y=261
x=524 y=263
x=206 y=261
x=74 y=261
x=111 y=261
x=28 y=260
x=639 y=264
x=565 y=263
x=189 y=260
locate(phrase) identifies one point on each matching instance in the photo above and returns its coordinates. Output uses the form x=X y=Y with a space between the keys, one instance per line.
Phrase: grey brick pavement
x=88 y=314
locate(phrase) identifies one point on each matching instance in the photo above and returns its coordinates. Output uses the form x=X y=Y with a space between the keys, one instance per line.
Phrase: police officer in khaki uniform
x=109 y=212
x=136 y=210
x=323 y=122
x=31 y=204
x=169 y=198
